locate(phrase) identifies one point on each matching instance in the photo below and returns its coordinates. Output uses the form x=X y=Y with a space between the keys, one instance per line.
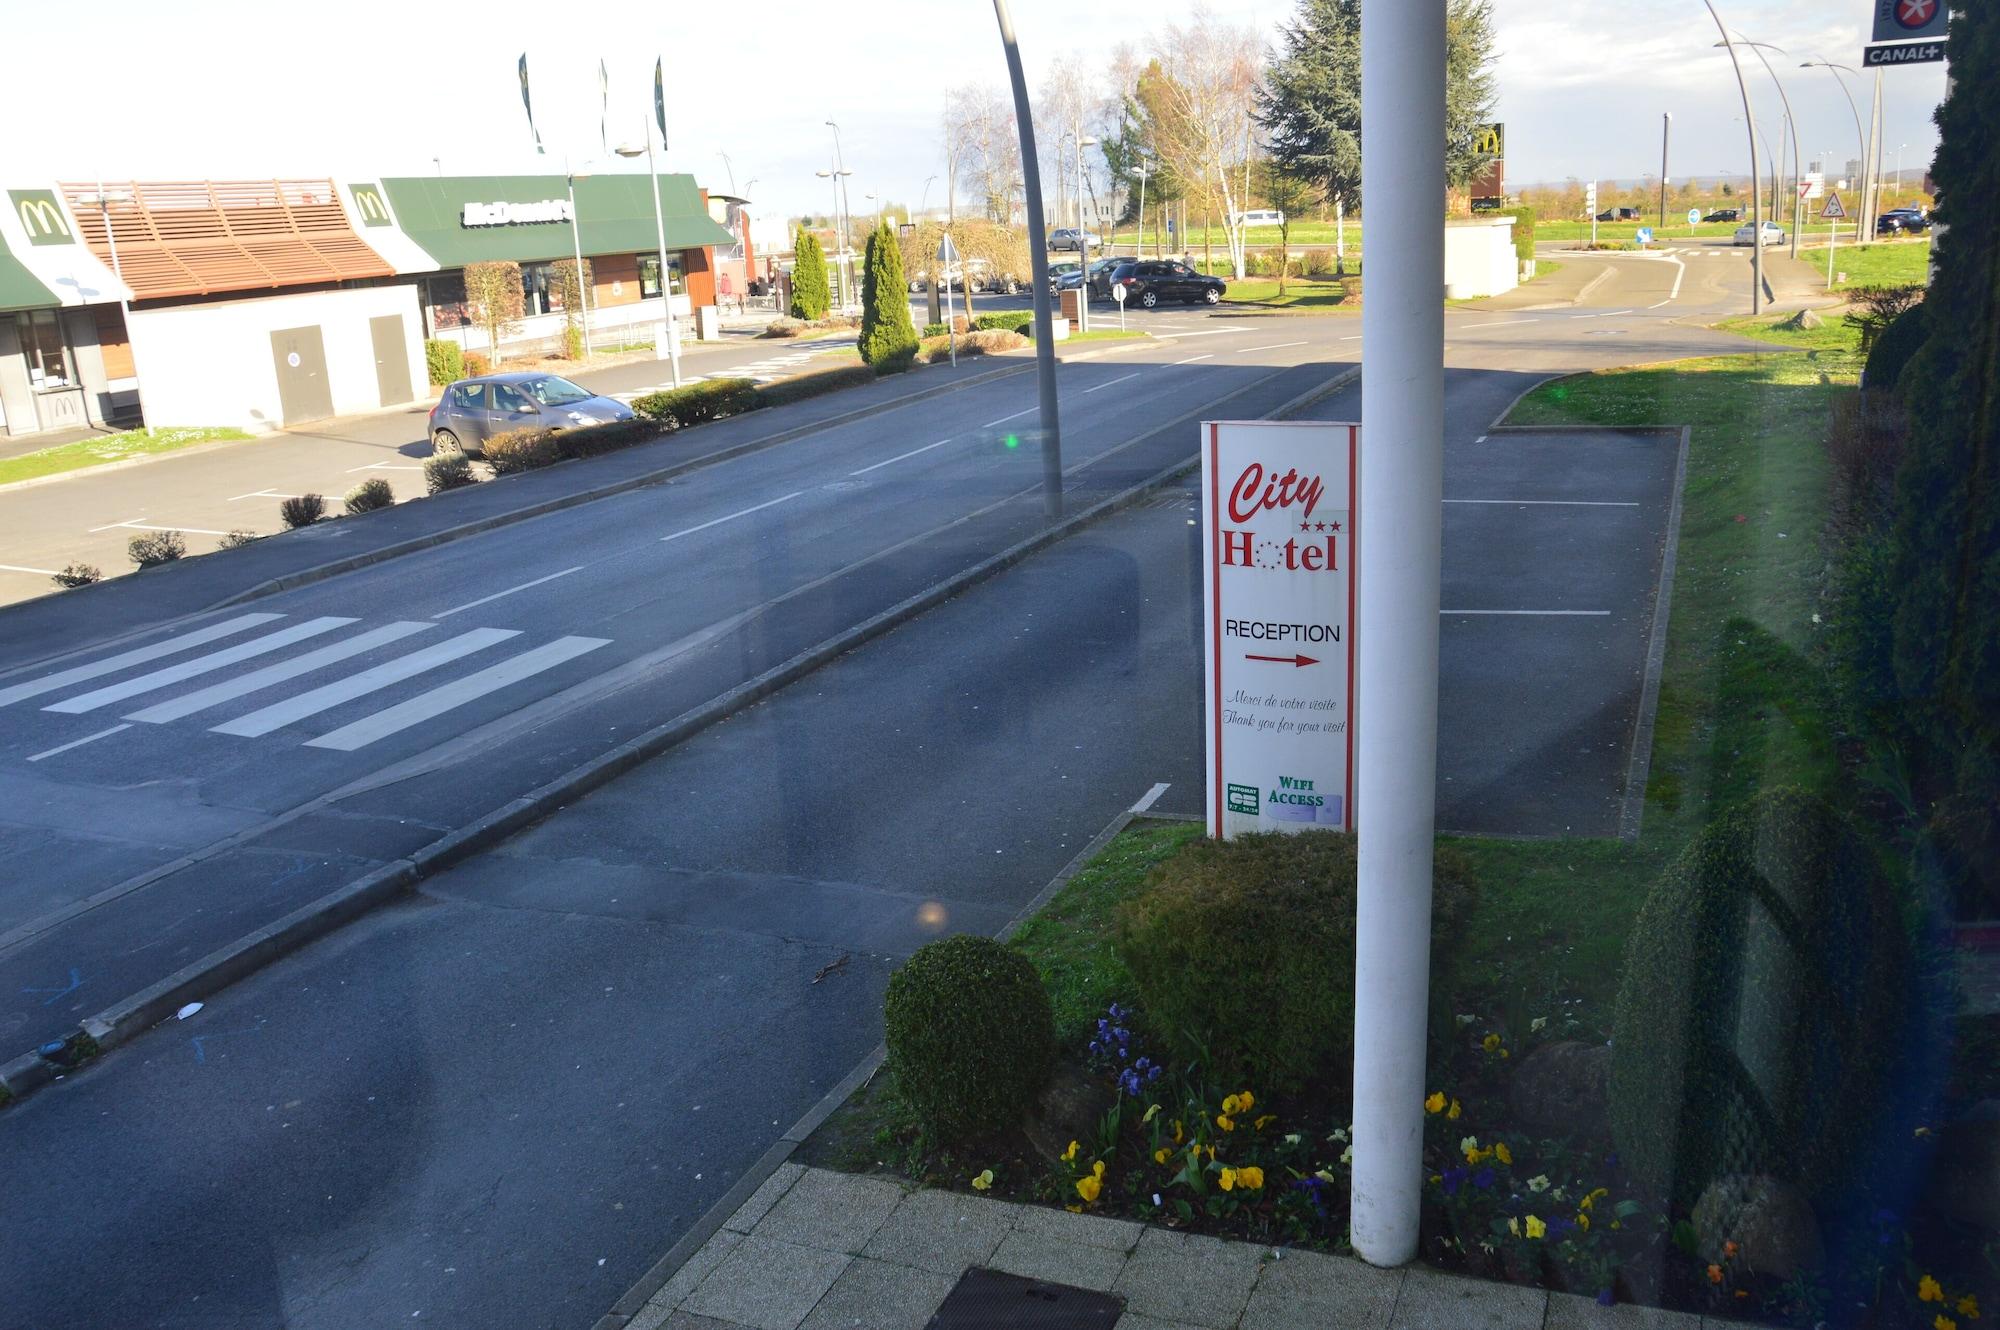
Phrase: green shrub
x=800 y=387
x=77 y=574
x=783 y=327
x=1766 y=984
x=1524 y=232
x=1243 y=953
x=1893 y=347
x=1319 y=263
x=572 y=338
x=237 y=539
x=597 y=440
x=370 y=495
x=971 y=1036
x=475 y=364
x=150 y=551
x=935 y=330
x=1010 y=320
x=711 y=399
x=810 y=297
x=303 y=510
x=522 y=450
x=448 y=471
x=887 y=340
x=445 y=359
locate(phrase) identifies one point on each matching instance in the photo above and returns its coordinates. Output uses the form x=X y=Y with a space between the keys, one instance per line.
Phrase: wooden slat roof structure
x=183 y=238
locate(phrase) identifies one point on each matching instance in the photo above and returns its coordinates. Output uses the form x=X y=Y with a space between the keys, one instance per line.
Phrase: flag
x=527 y=105
x=660 y=99
x=603 y=107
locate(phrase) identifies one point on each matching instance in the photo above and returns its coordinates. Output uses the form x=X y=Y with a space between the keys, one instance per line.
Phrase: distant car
x=1901 y=221
x=1725 y=215
x=1150 y=282
x=1746 y=234
x=1065 y=276
x=1260 y=217
x=473 y=411
x=1068 y=237
x=1618 y=215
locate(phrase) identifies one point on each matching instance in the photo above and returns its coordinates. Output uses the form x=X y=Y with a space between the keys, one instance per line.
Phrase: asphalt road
x=497 y=1103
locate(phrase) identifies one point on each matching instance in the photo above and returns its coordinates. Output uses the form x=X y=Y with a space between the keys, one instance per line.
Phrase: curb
x=635 y=1299
x=120 y=1021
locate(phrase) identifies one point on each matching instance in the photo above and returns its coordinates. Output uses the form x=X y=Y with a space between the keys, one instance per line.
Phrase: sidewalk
x=813 y=1249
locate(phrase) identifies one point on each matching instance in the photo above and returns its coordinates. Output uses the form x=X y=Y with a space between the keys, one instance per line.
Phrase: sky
x=216 y=89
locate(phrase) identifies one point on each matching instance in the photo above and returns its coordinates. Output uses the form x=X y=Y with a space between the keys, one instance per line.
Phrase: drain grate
x=990 y=1300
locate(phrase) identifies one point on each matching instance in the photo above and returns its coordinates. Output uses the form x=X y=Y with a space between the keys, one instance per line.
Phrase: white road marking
x=281 y=714
x=1207 y=332
x=474 y=604
x=1191 y=359
x=1355 y=338
x=1151 y=797
x=1499 y=323
x=1480 y=439
x=258 y=494
x=1680 y=271
x=78 y=743
x=1108 y=382
x=188 y=669
x=257 y=680
x=17 y=568
x=456 y=694
x=48 y=683
x=1556 y=503
x=1004 y=419
x=1592 y=614
x=771 y=503
x=144 y=526
x=382 y=466
x=1275 y=346
x=899 y=457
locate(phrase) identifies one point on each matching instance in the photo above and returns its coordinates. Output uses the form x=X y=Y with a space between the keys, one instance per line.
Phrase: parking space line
x=771 y=503
x=1191 y=359
x=382 y=466
x=255 y=494
x=17 y=568
x=1150 y=797
x=145 y=526
x=1275 y=346
x=456 y=694
x=899 y=457
x=474 y=604
x=49 y=683
x=1559 y=614
x=1108 y=382
x=188 y=669
x=78 y=743
x=1554 y=503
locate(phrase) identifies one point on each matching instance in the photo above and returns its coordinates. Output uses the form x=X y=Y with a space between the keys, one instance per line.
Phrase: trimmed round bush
x=154 y=550
x=301 y=510
x=74 y=575
x=971 y=1036
x=448 y=471
x=1767 y=983
x=1893 y=348
x=445 y=360
x=369 y=495
x=1243 y=953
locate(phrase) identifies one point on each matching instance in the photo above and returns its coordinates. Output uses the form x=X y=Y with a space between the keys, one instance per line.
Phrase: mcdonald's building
x=269 y=303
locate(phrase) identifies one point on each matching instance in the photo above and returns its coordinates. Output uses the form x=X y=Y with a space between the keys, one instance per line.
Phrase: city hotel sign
x=515 y=214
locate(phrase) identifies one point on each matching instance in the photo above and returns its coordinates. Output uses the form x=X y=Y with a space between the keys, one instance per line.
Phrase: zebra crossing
x=240 y=650
x=762 y=371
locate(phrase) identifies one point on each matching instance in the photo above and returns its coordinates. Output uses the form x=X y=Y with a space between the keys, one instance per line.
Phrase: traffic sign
x=947 y=252
x=1901 y=53
x=1694 y=216
x=1910 y=20
x=1644 y=235
x=1590 y=196
x=1118 y=293
x=1833 y=211
x=1278 y=584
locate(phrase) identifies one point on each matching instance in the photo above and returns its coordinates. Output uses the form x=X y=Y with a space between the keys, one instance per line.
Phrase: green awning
x=614 y=215
x=18 y=287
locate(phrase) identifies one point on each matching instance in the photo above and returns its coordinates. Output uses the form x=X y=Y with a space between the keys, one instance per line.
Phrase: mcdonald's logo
x=368 y=202
x=41 y=217
x=1490 y=140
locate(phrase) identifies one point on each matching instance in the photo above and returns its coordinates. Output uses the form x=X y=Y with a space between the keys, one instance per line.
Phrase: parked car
x=1149 y=282
x=1725 y=215
x=1773 y=234
x=1068 y=237
x=472 y=411
x=1618 y=215
x=1260 y=217
x=1901 y=221
x=1065 y=276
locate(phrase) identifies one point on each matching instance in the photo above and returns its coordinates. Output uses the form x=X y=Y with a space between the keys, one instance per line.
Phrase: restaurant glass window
x=42 y=345
x=649 y=275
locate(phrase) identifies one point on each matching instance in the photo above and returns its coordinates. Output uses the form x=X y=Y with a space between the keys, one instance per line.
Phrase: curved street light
x=1756 y=193
x=1792 y=120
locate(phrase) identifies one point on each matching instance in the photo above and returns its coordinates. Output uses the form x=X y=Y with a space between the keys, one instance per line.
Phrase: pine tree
x=887 y=335
x=809 y=294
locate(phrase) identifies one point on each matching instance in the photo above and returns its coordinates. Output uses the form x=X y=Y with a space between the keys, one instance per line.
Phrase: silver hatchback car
x=472 y=411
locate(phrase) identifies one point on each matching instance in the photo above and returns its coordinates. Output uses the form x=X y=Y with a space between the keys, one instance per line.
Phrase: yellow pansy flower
x=1069 y=1155
x=1435 y=1104
x=1251 y=1177
x=1514 y=1226
x=1929 y=1290
x=1944 y=1322
x=1247 y=1100
x=1594 y=1197
x=1230 y=1104
x=1088 y=1187
x=1161 y=1155
x=1228 y=1179
x=1453 y=1111
x=1490 y=1043
x=1224 y=1121
x=1583 y=1221
x=1097 y=1169
x=1265 y=1121
x=1177 y=1131
x=1536 y=1228
x=983 y=1181
x=1501 y=1152
x=1968 y=1307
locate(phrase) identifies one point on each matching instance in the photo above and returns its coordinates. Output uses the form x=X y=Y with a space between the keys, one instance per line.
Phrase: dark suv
x=1901 y=221
x=1149 y=282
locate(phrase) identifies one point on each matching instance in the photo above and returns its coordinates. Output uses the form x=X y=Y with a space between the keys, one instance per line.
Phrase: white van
x=1261 y=217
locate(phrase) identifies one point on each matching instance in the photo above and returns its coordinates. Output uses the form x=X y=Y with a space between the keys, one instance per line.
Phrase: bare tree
x=986 y=154
x=1203 y=104
x=1068 y=103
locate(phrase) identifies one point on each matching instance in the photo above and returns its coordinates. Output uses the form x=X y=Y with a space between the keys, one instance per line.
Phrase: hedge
x=711 y=399
x=445 y=359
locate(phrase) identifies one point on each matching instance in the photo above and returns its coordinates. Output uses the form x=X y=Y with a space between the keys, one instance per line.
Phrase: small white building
x=1479 y=258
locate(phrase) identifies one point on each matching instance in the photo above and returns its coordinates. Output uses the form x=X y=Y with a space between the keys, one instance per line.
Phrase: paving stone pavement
x=818 y=1250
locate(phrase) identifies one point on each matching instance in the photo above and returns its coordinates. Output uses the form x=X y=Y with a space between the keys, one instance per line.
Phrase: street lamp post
x=841 y=171
x=1756 y=191
x=1790 y=120
x=576 y=249
x=668 y=344
x=102 y=201
x=925 y=205
x=1139 y=239
x=730 y=167
x=1666 y=128
x=841 y=269
x=1082 y=141
x=1860 y=139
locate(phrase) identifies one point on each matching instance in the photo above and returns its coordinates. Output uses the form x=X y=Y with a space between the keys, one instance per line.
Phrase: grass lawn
x=1300 y=293
x=1892 y=263
x=1106 y=334
x=1304 y=234
x=109 y=448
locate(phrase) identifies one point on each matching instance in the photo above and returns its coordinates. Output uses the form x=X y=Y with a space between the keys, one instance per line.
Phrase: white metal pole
x=1139 y=240
x=670 y=340
x=1867 y=209
x=1398 y=523
x=1083 y=244
x=576 y=248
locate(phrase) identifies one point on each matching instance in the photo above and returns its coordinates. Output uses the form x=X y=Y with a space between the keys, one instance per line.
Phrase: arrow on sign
x=1296 y=661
